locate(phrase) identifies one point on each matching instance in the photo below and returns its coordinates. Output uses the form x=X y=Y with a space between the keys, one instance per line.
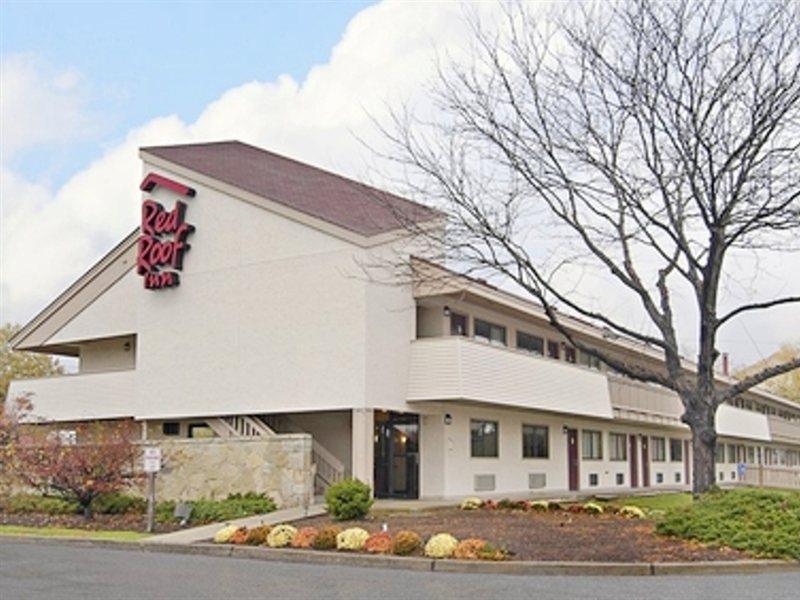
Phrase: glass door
x=396 y=455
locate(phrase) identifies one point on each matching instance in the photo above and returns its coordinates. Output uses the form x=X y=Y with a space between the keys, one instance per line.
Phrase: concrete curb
x=410 y=563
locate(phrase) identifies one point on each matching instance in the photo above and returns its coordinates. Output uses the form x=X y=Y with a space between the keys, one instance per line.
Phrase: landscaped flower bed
x=358 y=539
x=505 y=529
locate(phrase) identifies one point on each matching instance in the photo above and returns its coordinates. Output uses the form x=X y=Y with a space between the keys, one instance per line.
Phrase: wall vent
x=484 y=483
x=537 y=481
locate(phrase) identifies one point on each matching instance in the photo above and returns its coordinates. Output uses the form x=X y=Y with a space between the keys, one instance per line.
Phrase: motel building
x=237 y=328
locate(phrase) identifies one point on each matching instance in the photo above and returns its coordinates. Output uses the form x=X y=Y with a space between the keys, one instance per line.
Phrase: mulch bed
x=129 y=522
x=547 y=536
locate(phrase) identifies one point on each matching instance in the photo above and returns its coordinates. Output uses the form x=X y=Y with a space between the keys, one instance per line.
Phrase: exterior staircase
x=328 y=468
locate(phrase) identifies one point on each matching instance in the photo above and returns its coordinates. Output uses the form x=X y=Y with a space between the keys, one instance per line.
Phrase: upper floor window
x=484 y=437
x=592 y=445
x=553 y=349
x=495 y=334
x=659 y=449
x=530 y=343
x=587 y=360
x=534 y=441
x=675 y=450
x=458 y=324
x=569 y=354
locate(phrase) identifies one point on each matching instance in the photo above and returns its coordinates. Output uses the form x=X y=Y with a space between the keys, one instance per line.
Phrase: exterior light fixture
x=448 y=419
x=446 y=311
x=565 y=430
x=126 y=346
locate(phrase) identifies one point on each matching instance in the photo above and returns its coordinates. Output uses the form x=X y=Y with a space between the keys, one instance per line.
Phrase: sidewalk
x=206 y=532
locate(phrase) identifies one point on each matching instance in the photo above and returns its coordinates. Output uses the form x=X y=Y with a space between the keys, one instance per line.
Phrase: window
x=675 y=450
x=719 y=454
x=530 y=343
x=534 y=441
x=659 y=449
x=593 y=479
x=587 y=360
x=659 y=478
x=458 y=324
x=677 y=477
x=484 y=436
x=171 y=428
x=731 y=453
x=618 y=446
x=620 y=479
x=592 y=445
x=553 y=350
x=495 y=334
x=569 y=354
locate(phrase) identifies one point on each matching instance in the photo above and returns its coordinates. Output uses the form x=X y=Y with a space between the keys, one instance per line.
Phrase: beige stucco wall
x=213 y=468
x=108 y=354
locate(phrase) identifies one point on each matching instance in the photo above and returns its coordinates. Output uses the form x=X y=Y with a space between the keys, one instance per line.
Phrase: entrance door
x=634 y=454
x=396 y=455
x=645 y=461
x=573 y=465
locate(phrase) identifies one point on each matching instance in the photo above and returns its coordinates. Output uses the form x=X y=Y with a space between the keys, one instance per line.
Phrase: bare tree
x=648 y=141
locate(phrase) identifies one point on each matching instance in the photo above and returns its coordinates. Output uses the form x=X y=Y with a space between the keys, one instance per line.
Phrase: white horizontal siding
x=80 y=397
x=739 y=423
x=453 y=368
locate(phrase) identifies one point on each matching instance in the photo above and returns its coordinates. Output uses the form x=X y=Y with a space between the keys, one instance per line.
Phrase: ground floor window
x=719 y=454
x=675 y=450
x=659 y=449
x=618 y=446
x=731 y=453
x=484 y=438
x=534 y=441
x=171 y=428
x=592 y=445
x=200 y=430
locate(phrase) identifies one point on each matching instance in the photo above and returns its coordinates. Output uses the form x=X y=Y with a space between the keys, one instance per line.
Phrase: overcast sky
x=84 y=85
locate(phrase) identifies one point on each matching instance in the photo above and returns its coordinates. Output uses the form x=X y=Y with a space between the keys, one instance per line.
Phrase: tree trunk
x=87 y=511
x=704 y=445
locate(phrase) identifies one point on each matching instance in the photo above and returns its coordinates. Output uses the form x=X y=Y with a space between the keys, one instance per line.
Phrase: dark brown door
x=645 y=462
x=573 y=465
x=633 y=451
x=687 y=470
x=396 y=455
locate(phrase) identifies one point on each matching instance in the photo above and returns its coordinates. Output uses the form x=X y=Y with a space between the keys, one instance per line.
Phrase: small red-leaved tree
x=101 y=460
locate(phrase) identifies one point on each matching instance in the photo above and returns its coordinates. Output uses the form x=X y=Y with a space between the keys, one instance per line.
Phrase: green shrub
x=765 y=523
x=348 y=499
x=118 y=504
x=235 y=506
x=34 y=503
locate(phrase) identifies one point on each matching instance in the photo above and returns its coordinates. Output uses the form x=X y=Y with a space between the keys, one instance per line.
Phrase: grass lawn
x=63 y=532
x=663 y=502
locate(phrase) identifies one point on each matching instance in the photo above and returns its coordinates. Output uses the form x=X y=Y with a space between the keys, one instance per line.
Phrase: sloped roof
x=343 y=202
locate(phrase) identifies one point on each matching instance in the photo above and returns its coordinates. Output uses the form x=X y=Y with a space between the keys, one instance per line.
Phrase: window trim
x=679 y=443
x=546 y=439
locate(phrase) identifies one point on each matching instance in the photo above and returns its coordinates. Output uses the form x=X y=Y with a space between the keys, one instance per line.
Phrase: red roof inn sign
x=162 y=242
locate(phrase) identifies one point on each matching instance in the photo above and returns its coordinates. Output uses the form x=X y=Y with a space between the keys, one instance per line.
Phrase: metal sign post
x=152 y=465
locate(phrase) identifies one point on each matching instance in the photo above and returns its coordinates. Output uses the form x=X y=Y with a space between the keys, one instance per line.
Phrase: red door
x=572 y=459
x=687 y=470
x=634 y=454
x=645 y=462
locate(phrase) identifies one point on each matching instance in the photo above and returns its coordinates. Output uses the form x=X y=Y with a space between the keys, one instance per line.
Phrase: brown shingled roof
x=327 y=196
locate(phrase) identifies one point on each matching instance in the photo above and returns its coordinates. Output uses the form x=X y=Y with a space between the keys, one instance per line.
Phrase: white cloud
x=40 y=105
x=386 y=55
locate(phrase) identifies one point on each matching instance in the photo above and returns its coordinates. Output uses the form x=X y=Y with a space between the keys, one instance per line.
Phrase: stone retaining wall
x=213 y=468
